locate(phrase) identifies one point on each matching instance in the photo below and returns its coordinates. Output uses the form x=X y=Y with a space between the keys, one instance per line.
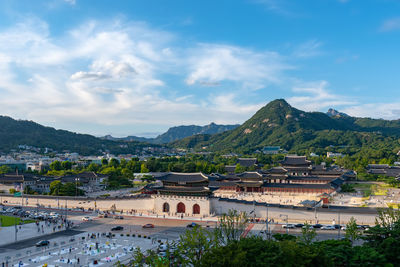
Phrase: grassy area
x=10 y=220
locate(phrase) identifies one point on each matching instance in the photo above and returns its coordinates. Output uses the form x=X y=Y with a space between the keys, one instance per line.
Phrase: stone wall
x=188 y=202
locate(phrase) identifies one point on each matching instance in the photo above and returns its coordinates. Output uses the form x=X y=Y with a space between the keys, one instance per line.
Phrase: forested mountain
x=178 y=132
x=280 y=124
x=21 y=132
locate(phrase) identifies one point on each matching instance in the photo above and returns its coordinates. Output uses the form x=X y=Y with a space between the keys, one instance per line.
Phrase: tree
x=4 y=169
x=239 y=168
x=193 y=245
x=308 y=234
x=113 y=163
x=66 y=165
x=104 y=162
x=56 y=166
x=55 y=187
x=93 y=167
x=352 y=231
x=231 y=226
x=143 y=168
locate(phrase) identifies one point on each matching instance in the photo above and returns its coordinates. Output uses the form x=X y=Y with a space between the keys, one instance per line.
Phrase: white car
x=86 y=219
x=291 y=226
x=328 y=227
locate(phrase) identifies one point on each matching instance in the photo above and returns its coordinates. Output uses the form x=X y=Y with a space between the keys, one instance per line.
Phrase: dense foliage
x=201 y=247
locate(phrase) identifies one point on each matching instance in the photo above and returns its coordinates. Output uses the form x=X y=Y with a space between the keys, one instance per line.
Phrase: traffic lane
x=32 y=242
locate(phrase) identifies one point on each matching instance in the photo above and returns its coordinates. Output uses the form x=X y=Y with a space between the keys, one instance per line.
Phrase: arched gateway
x=180 y=208
x=196 y=209
x=165 y=207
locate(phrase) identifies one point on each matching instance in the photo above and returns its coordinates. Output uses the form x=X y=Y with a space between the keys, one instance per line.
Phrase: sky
x=139 y=67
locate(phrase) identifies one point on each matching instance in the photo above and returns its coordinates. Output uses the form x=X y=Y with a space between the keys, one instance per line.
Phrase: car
x=119 y=217
x=86 y=219
x=289 y=226
x=299 y=225
x=343 y=228
x=317 y=225
x=149 y=225
x=328 y=227
x=43 y=243
x=191 y=225
x=117 y=228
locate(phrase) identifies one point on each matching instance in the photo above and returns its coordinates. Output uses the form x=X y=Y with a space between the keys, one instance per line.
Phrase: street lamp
x=285 y=215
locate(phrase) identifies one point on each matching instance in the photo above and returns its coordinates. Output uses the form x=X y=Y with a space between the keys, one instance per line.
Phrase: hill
x=280 y=124
x=177 y=133
x=21 y=132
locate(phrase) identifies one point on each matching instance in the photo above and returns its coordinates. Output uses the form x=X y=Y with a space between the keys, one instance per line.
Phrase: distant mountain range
x=21 y=132
x=177 y=133
x=280 y=124
x=276 y=124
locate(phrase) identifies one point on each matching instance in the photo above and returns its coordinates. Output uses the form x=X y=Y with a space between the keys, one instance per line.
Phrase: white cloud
x=71 y=2
x=388 y=111
x=315 y=96
x=214 y=64
x=390 y=24
x=308 y=49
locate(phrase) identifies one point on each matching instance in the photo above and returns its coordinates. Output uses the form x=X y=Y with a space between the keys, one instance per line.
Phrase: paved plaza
x=80 y=250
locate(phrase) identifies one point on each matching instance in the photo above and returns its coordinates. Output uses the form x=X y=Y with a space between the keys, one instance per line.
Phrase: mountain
x=177 y=133
x=280 y=124
x=334 y=113
x=21 y=132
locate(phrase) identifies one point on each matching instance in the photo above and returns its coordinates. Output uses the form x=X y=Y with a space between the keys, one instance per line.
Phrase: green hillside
x=20 y=132
x=294 y=130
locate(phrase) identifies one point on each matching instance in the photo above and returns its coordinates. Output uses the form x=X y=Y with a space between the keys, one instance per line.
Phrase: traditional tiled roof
x=276 y=170
x=250 y=175
x=183 y=189
x=295 y=160
x=184 y=177
x=378 y=166
x=311 y=186
x=247 y=162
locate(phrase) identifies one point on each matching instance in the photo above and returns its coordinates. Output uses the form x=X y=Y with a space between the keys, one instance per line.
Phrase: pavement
x=63 y=251
x=13 y=234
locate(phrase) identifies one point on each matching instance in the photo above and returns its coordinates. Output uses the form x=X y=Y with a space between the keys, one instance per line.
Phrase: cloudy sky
x=140 y=67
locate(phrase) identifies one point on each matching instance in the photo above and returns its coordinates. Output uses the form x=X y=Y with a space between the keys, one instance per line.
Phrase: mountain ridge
x=280 y=124
x=178 y=132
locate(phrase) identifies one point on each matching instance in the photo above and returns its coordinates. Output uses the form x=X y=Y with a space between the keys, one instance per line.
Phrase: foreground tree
x=231 y=226
x=352 y=231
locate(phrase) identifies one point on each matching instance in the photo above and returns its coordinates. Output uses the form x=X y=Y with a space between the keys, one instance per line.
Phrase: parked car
x=86 y=219
x=43 y=243
x=290 y=226
x=299 y=225
x=328 y=227
x=317 y=225
x=149 y=225
x=119 y=217
x=344 y=228
x=117 y=228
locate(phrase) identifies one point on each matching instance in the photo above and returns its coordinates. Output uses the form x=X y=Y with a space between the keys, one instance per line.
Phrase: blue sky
x=140 y=67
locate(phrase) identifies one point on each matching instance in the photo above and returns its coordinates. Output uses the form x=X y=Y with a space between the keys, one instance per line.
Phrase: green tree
x=55 y=187
x=143 y=168
x=239 y=168
x=4 y=169
x=308 y=234
x=231 y=226
x=352 y=231
x=66 y=165
x=104 y=162
x=56 y=166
